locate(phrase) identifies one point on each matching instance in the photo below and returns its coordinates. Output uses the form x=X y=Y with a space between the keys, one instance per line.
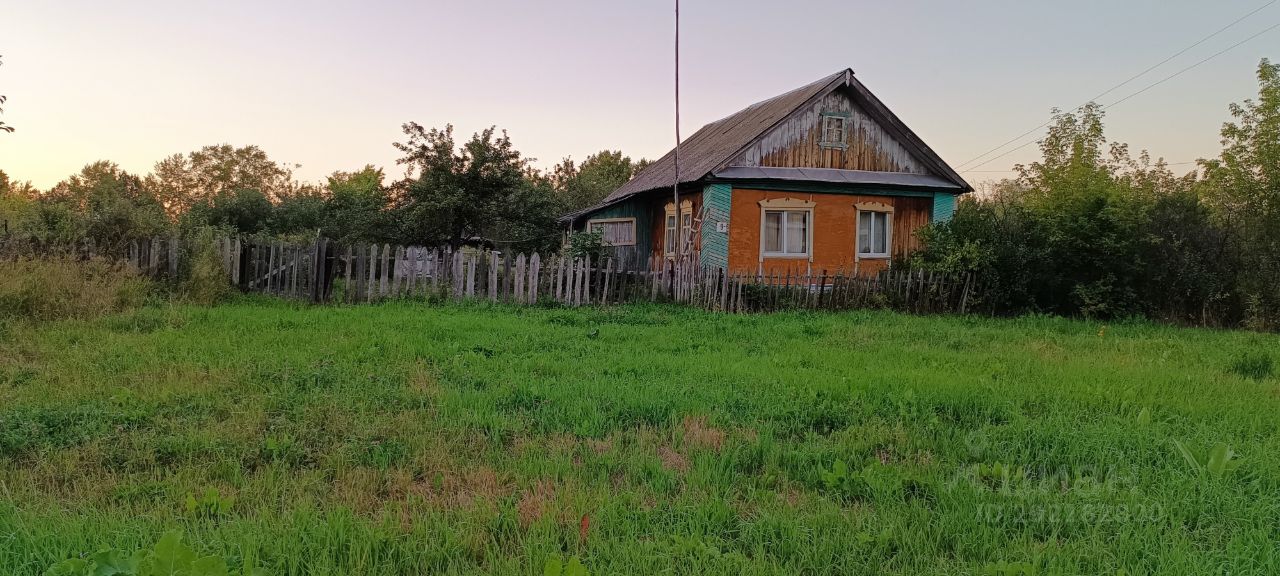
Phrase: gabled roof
x=715 y=145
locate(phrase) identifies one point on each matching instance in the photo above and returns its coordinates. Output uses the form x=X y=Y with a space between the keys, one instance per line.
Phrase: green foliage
x=16 y=201
x=581 y=186
x=357 y=209
x=1216 y=464
x=586 y=243
x=1091 y=231
x=244 y=210
x=208 y=506
x=474 y=193
x=556 y=566
x=169 y=557
x=1243 y=184
x=102 y=203
x=217 y=172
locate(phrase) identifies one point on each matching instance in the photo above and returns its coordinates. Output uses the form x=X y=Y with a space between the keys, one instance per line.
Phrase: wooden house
x=824 y=177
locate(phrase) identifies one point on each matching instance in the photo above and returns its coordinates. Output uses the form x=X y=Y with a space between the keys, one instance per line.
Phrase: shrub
x=47 y=289
x=587 y=243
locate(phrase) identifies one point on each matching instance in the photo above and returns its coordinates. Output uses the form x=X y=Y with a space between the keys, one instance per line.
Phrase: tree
x=299 y=210
x=245 y=210
x=1243 y=186
x=101 y=202
x=16 y=199
x=356 y=209
x=585 y=185
x=476 y=193
x=216 y=171
x=1090 y=230
x=4 y=127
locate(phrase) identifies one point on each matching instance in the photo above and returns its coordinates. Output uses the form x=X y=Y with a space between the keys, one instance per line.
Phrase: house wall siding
x=634 y=208
x=834 y=231
x=797 y=142
x=716 y=200
x=944 y=205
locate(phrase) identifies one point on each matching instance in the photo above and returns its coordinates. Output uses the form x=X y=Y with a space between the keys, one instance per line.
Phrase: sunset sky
x=326 y=84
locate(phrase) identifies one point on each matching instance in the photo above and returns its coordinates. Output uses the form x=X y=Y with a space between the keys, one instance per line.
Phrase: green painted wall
x=944 y=205
x=633 y=208
x=715 y=244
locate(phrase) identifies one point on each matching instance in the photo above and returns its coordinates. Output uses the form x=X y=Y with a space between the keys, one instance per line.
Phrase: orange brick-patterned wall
x=834 y=231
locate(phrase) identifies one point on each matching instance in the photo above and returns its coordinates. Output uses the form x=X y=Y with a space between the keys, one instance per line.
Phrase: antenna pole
x=675 y=187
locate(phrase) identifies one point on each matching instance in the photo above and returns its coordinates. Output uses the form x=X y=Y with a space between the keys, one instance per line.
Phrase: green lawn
x=413 y=439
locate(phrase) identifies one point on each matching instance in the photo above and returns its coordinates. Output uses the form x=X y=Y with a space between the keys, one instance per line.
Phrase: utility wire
x=1148 y=87
x=1131 y=79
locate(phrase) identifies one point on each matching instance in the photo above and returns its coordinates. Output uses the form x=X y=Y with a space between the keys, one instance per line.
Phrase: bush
x=39 y=290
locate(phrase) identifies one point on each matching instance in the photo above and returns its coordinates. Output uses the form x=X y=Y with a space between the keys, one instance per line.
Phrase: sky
x=326 y=85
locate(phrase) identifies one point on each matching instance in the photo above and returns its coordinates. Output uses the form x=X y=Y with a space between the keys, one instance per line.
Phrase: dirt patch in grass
x=672 y=460
x=534 y=502
x=701 y=435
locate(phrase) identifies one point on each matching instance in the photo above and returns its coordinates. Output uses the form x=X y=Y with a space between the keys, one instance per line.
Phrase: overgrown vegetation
x=409 y=439
x=1091 y=231
x=47 y=289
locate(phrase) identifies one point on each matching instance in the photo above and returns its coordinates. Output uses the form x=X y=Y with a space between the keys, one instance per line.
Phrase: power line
x=1149 y=86
x=1131 y=79
x=1011 y=170
x=1178 y=73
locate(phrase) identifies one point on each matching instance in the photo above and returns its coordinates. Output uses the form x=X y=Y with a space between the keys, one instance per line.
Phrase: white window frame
x=843 y=141
x=669 y=231
x=875 y=208
x=634 y=231
x=785 y=205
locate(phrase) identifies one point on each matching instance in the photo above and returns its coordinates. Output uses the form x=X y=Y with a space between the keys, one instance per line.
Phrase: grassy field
x=410 y=439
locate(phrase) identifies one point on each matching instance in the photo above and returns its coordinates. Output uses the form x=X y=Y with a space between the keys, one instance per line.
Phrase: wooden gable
x=805 y=140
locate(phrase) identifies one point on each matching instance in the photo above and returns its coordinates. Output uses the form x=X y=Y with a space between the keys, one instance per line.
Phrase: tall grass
x=45 y=289
x=408 y=439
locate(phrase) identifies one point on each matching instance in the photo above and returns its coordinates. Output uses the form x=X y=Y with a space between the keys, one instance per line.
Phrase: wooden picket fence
x=322 y=271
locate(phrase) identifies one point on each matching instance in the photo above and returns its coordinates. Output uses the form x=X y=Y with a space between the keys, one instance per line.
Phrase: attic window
x=834 y=130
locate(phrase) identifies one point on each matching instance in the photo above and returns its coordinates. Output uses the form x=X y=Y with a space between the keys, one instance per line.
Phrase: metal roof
x=832 y=175
x=711 y=148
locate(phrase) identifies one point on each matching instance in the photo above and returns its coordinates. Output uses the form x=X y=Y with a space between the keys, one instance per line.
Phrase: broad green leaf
x=552 y=567
x=1189 y=457
x=209 y=566
x=170 y=556
x=575 y=568
x=114 y=562
x=68 y=567
x=1221 y=461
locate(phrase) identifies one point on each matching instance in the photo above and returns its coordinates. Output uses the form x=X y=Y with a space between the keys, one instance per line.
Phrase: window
x=686 y=227
x=786 y=228
x=833 y=131
x=615 y=231
x=786 y=233
x=873 y=234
